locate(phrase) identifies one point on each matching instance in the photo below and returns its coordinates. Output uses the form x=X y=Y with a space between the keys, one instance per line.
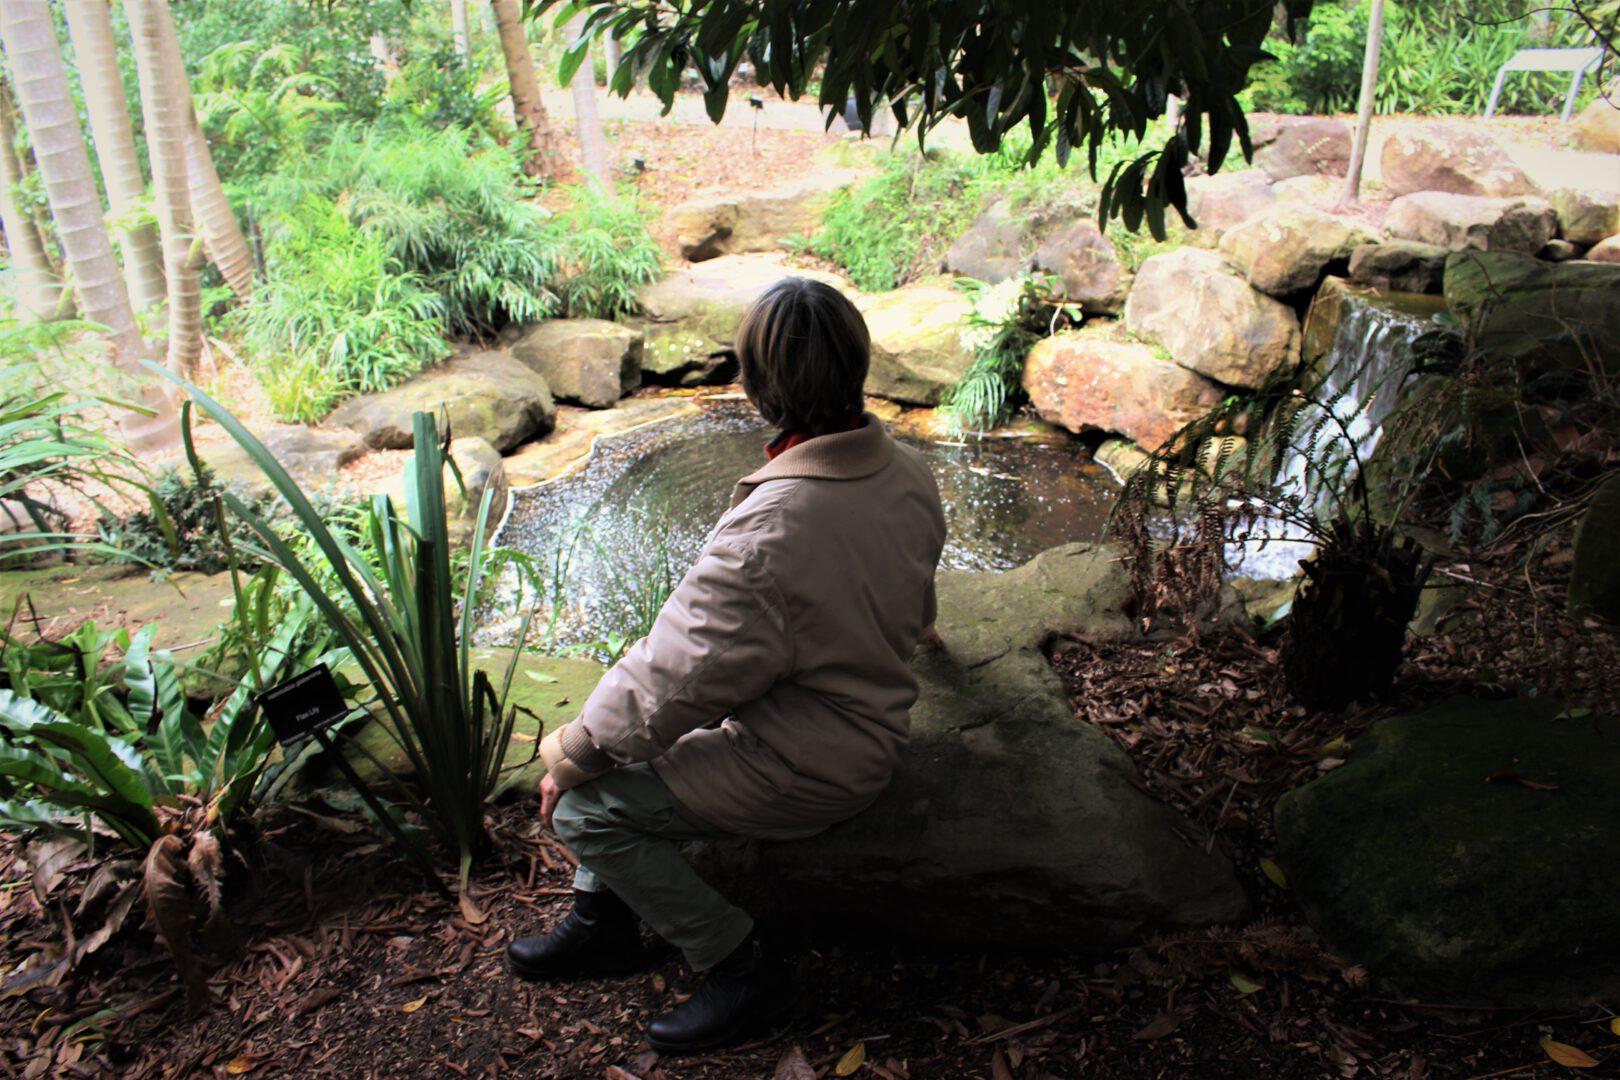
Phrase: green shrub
x=604 y=254
x=897 y=225
x=441 y=89
x=180 y=529
x=444 y=210
x=1007 y=319
x=337 y=315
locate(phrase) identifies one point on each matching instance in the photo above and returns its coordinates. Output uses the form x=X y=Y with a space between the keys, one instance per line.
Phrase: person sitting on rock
x=770 y=698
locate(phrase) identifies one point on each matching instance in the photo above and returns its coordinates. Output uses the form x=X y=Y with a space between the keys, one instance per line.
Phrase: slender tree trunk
x=97 y=56
x=611 y=55
x=38 y=290
x=1369 y=91
x=384 y=56
x=460 y=29
x=587 y=120
x=526 y=103
x=29 y=37
x=166 y=109
x=221 y=231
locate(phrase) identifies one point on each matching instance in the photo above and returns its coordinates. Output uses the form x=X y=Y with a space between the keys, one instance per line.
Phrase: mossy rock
x=1430 y=858
x=1594 y=580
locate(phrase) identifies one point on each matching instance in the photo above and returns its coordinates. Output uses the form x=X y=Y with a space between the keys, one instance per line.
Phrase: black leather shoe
x=743 y=993
x=601 y=936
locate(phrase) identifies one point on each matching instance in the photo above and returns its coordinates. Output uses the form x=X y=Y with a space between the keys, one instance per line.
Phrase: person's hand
x=549 y=794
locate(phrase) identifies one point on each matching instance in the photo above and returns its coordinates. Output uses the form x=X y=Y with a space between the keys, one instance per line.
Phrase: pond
x=639 y=510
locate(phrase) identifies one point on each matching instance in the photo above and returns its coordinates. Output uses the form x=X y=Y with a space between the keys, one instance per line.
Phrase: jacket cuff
x=563 y=768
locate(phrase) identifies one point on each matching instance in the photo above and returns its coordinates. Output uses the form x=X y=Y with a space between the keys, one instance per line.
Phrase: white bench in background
x=1576 y=61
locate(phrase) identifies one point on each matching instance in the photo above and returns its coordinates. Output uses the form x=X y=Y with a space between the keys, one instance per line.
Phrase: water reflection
x=646 y=500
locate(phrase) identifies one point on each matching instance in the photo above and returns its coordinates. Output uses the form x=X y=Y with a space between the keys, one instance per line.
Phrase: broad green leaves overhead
x=1076 y=74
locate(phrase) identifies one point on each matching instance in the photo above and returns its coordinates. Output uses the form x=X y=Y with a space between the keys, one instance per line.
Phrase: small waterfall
x=1363 y=372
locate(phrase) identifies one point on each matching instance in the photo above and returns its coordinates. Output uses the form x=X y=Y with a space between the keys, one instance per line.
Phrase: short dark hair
x=803 y=350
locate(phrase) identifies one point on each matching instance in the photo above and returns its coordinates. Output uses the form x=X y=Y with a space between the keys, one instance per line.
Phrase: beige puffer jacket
x=772 y=693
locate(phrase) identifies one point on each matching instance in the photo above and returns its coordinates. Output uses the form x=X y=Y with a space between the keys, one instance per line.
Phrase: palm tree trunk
x=29 y=38
x=221 y=231
x=97 y=56
x=165 y=109
x=38 y=290
x=542 y=159
x=587 y=118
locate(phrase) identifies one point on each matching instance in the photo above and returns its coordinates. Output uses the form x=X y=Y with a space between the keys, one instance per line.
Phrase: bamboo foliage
x=38 y=292
x=97 y=56
x=165 y=108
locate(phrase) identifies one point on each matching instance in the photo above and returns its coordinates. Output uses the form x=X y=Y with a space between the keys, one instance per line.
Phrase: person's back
x=770 y=697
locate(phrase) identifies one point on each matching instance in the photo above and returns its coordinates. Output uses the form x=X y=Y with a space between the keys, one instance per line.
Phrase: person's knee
x=576 y=818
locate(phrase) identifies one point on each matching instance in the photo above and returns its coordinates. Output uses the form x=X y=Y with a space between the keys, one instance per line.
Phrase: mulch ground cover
x=344 y=964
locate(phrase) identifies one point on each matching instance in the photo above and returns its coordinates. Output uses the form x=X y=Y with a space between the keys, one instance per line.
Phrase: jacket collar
x=844 y=455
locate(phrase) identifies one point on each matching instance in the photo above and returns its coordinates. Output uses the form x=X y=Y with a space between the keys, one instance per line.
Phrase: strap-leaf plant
x=408 y=628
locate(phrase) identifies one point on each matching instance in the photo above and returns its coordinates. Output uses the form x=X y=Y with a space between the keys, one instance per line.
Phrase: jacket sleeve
x=720 y=640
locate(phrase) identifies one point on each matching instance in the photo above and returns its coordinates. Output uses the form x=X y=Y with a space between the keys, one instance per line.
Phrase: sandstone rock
x=589 y=361
x=1321 y=192
x=1587 y=215
x=1287 y=248
x=1195 y=304
x=1219 y=202
x=1084 y=258
x=1543 y=315
x=917 y=348
x=1472 y=222
x=1606 y=251
x=486 y=394
x=1399 y=266
x=1089 y=380
x=1432 y=157
x=994 y=248
x=1008 y=821
x=695 y=311
x=710 y=226
x=1597 y=128
x=1504 y=895
x=1288 y=146
x=1559 y=251
x=312 y=456
x=1594 y=579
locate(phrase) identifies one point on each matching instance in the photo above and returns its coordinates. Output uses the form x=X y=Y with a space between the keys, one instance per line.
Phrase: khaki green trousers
x=625 y=828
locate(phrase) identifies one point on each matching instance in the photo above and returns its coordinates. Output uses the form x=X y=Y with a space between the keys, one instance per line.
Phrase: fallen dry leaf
x=1158 y=1027
x=853 y=1059
x=794 y=1066
x=1569 y=1056
x=999 y=1069
x=240 y=1066
x=412 y=1006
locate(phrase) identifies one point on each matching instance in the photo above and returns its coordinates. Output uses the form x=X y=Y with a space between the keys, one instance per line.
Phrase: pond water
x=643 y=504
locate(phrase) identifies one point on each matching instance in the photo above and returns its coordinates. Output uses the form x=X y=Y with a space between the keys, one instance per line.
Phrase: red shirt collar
x=787 y=440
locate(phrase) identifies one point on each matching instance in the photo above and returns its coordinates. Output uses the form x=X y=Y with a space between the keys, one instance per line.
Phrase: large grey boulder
x=489 y=395
x=312 y=456
x=1399 y=266
x=736 y=223
x=1287 y=249
x=1430 y=858
x=1085 y=260
x=1218 y=203
x=592 y=362
x=1092 y=380
x=696 y=310
x=994 y=248
x=1540 y=314
x=1605 y=251
x=1009 y=822
x=1433 y=157
x=1597 y=127
x=1587 y=216
x=1472 y=222
x=1196 y=304
x=1289 y=146
x=917 y=346
x=1594 y=579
